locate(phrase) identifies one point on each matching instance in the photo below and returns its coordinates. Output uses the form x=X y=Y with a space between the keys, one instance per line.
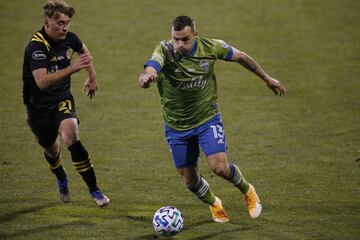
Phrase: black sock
x=56 y=167
x=90 y=179
x=82 y=164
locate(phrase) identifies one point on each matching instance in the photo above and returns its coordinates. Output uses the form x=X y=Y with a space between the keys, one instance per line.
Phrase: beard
x=181 y=51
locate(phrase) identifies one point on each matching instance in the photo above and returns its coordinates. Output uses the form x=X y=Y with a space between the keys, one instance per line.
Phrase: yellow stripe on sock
x=85 y=169
x=57 y=164
x=82 y=162
x=83 y=166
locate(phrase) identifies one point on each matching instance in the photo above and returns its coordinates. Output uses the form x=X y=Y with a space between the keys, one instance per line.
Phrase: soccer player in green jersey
x=183 y=69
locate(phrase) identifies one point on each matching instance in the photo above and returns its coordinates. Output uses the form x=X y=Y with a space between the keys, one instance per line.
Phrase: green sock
x=237 y=179
x=203 y=192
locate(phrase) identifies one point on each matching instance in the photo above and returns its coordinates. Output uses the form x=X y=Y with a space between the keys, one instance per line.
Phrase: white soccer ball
x=168 y=221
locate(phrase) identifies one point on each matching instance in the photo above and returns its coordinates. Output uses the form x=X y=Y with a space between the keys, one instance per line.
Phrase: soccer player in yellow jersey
x=183 y=69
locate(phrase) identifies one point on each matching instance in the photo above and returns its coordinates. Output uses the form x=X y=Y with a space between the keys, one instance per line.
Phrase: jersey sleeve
x=37 y=55
x=75 y=42
x=223 y=50
x=157 y=60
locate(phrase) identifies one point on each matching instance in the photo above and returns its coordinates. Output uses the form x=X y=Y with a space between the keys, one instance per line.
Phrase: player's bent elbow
x=41 y=84
x=40 y=78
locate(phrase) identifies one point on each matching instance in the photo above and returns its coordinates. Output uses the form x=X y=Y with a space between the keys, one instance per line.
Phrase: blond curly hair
x=53 y=7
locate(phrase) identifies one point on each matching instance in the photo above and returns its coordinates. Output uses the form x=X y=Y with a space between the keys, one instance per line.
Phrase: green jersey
x=187 y=84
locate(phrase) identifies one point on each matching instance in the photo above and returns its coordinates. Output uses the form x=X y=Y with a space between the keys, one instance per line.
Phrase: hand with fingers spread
x=276 y=86
x=86 y=60
x=90 y=87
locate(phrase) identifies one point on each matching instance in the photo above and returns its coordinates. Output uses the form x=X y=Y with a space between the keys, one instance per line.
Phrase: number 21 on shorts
x=65 y=106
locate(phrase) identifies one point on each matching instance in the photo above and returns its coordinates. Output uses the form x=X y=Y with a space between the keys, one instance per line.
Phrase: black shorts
x=45 y=123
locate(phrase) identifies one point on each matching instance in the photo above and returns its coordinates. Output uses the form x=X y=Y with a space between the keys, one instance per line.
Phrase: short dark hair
x=53 y=7
x=180 y=22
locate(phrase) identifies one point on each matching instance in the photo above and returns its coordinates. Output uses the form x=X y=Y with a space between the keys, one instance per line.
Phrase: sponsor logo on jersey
x=204 y=65
x=54 y=59
x=195 y=82
x=38 y=55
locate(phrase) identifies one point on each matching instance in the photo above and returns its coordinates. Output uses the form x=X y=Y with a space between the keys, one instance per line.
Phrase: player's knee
x=221 y=170
x=70 y=141
x=53 y=151
x=69 y=132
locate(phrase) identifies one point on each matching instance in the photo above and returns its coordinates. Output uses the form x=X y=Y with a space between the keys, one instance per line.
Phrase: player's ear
x=46 y=22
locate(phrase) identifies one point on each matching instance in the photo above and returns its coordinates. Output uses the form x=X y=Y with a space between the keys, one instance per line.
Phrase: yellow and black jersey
x=43 y=52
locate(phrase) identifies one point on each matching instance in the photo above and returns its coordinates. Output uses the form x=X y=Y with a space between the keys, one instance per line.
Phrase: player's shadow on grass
x=11 y=216
x=145 y=220
x=139 y=219
x=189 y=227
x=215 y=234
x=37 y=230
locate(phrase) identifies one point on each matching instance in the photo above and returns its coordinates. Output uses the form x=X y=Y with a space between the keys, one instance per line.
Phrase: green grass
x=299 y=151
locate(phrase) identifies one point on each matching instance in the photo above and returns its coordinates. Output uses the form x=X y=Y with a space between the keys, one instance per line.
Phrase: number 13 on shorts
x=218 y=132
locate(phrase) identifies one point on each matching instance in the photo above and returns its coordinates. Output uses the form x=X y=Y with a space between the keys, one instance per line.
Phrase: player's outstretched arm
x=90 y=84
x=249 y=63
x=44 y=79
x=147 y=77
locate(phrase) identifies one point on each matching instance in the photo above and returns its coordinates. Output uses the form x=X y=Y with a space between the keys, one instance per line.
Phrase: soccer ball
x=168 y=221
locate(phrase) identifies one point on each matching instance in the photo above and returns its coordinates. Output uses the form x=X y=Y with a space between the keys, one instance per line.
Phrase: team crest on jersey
x=204 y=65
x=69 y=53
x=224 y=44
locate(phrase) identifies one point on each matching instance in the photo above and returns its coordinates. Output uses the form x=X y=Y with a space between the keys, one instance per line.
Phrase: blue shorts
x=184 y=145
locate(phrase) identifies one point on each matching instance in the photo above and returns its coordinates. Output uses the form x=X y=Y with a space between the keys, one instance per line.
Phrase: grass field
x=299 y=151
